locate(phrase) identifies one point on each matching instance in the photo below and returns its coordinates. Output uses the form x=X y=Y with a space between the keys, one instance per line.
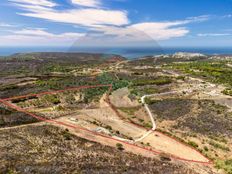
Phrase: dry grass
x=48 y=149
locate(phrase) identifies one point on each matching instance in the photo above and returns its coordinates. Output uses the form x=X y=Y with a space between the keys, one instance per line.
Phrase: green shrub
x=225 y=165
x=108 y=127
x=150 y=101
x=219 y=146
x=148 y=125
x=5 y=111
x=52 y=99
x=181 y=78
x=193 y=144
x=227 y=92
x=164 y=157
x=216 y=72
x=8 y=87
x=157 y=81
x=119 y=146
x=206 y=148
x=67 y=135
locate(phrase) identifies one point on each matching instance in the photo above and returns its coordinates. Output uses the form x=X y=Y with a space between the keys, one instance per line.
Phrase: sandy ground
x=157 y=141
x=105 y=114
x=108 y=117
x=119 y=98
x=165 y=144
x=105 y=139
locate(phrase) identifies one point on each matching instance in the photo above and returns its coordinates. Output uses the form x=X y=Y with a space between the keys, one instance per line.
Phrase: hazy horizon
x=130 y=52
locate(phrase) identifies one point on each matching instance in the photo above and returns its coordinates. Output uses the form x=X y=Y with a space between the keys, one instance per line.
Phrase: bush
x=106 y=79
x=8 y=87
x=216 y=72
x=60 y=108
x=193 y=144
x=148 y=125
x=67 y=135
x=150 y=101
x=206 y=148
x=165 y=157
x=181 y=78
x=158 y=81
x=227 y=92
x=52 y=99
x=5 y=111
x=225 y=165
x=119 y=146
x=108 y=127
x=219 y=146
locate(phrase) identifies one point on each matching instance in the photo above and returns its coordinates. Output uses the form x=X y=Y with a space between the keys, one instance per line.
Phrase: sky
x=171 y=23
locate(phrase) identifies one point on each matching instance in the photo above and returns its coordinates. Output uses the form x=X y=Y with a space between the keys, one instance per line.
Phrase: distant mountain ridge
x=41 y=61
x=70 y=57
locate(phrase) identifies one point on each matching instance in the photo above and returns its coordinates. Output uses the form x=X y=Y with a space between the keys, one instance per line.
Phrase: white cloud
x=42 y=33
x=137 y=34
x=227 y=16
x=162 y=31
x=87 y=3
x=83 y=16
x=150 y=31
x=6 y=25
x=213 y=34
x=103 y=35
x=198 y=18
x=33 y=32
x=45 y=3
x=104 y=26
x=39 y=37
x=141 y=33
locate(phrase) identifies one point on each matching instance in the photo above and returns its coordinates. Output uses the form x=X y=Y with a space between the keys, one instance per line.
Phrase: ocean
x=128 y=52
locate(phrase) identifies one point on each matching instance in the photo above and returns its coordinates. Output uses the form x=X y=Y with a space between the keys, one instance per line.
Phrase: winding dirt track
x=105 y=138
x=150 y=113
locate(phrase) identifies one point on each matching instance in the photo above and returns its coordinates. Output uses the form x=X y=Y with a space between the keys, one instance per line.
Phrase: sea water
x=128 y=52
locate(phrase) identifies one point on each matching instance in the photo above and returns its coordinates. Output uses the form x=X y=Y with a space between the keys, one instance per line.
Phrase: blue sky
x=182 y=23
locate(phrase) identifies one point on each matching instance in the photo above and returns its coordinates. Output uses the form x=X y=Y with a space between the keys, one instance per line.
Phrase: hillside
x=48 y=149
x=181 y=102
